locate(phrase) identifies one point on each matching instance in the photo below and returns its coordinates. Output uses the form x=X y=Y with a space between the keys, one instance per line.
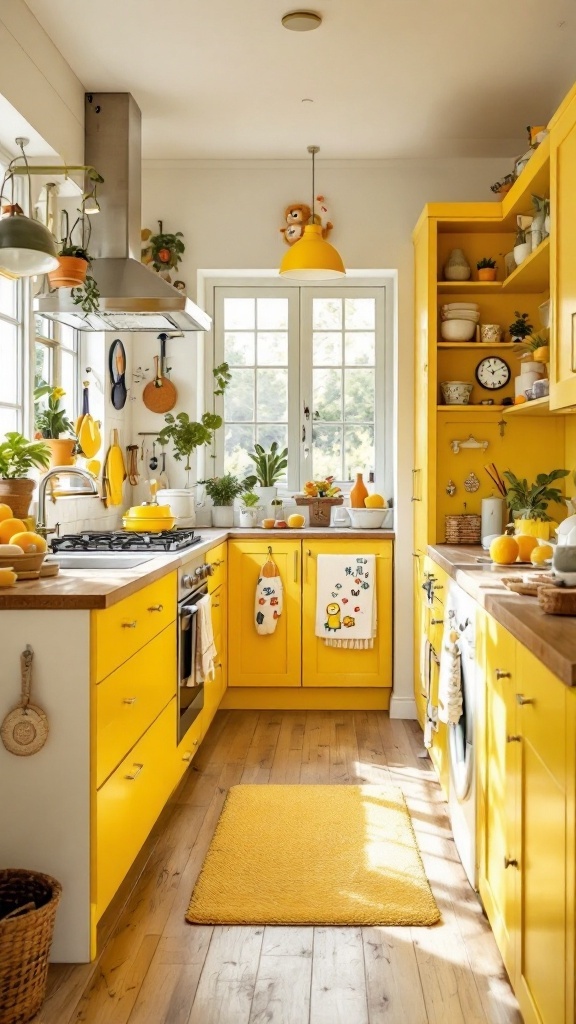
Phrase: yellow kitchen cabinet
x=273 y=659
x=498 y=765
x=525 y=742
x=121 y=630
x=563 y=254
x=334 y=666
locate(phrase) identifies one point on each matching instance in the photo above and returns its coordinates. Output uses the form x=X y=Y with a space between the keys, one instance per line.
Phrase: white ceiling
x=388 y=78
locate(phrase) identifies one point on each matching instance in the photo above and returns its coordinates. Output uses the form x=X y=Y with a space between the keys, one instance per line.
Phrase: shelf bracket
x=470 y=443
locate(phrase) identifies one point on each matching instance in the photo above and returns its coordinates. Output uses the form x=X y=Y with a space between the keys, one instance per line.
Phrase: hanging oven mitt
x=269 y=598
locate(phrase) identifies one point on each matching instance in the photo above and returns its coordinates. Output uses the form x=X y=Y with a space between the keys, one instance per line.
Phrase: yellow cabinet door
x=334 y=666
x=424 y=471
x=122 y=629
x=563 y=256
x=497 y=781
x=253 y=659
x=541 y=969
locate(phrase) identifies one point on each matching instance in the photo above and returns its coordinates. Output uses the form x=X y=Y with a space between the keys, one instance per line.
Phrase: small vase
x=358 y=492
x=456 y=267
x=248 y=517
x=521 y=251
x=61 y=449
x=223 y=516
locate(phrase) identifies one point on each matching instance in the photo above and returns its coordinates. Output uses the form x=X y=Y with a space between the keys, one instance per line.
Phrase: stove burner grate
x=167 y=540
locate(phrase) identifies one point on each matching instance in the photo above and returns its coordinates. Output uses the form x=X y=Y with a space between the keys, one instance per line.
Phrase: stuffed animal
x=296 y=215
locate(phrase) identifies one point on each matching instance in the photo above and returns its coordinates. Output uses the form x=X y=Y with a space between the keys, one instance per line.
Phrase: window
x=11 y=355
x=307 y=371
x=56 y=359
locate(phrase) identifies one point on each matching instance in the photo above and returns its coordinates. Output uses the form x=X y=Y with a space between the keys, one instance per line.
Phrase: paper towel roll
x=492 y=516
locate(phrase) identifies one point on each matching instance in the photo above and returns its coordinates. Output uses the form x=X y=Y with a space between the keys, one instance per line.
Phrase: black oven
x=190 y=690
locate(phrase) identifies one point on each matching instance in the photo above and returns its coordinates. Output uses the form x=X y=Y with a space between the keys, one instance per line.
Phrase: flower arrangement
x=321 y=488
x=50 y=419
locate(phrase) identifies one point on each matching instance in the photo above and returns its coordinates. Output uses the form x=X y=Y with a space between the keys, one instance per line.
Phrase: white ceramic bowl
x=461 y=314
x=461 y=305
x=367 y=518
x=456 y=392
x=457 y=330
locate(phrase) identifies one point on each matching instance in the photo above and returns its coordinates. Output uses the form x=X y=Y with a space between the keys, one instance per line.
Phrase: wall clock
x=493 y=373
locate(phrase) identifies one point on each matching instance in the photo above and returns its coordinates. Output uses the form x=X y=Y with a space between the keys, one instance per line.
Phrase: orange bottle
x=358 y=492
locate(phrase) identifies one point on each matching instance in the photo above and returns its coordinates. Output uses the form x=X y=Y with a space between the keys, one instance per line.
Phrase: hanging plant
x=162 y=251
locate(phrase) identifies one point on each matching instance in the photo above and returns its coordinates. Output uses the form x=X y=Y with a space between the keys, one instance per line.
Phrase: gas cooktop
x=121 y=540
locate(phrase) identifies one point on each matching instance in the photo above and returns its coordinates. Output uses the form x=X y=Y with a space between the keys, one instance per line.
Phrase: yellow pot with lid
x=149 y=518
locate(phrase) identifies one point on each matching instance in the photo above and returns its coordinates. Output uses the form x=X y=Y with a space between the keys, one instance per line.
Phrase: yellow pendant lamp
x=312 y=258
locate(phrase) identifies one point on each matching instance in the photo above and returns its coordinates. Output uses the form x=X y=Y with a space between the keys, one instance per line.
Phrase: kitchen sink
x=100 y=560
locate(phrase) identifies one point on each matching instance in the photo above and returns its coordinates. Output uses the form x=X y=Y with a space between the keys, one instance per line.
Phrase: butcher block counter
x=550 y=638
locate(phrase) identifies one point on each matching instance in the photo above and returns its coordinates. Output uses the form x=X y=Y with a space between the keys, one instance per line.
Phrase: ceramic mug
x=490 y=334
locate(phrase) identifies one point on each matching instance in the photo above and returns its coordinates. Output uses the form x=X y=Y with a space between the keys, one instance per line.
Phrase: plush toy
x=296 y=215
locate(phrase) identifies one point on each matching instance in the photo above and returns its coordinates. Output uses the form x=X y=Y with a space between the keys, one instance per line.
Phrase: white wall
x=231 y=212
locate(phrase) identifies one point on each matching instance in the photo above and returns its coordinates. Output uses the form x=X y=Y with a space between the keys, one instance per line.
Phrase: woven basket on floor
x=25 y=941
x=463 y=529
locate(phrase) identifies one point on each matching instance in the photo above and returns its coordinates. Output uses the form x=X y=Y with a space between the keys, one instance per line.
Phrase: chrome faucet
x=41 y=527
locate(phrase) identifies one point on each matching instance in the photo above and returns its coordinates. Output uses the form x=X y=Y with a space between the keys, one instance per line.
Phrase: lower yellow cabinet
x=526 y=872
x=293 y=655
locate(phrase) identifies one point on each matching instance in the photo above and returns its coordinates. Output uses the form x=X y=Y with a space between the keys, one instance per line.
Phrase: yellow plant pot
x=533 y=528
x=61 y=449
x=542 y=354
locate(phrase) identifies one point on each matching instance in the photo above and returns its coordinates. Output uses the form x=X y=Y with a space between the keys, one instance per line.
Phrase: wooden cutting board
x=557 y=600
x=159 y=395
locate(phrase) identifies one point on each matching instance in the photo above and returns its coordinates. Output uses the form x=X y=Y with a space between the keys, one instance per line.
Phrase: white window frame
x=386 y=280
x=56 y=345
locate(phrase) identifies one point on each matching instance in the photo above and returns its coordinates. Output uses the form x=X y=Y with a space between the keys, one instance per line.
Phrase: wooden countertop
x=100 y=588
x=550 y=638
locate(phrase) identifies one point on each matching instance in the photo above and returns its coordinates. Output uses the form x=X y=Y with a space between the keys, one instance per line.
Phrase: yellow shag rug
x=331 y=855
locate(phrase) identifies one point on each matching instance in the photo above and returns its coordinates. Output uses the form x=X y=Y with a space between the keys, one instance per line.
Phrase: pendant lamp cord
x=313 y=190
x=25 y=158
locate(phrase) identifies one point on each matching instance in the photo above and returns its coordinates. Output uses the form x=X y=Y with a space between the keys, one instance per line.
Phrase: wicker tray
x=318 y=508
x=463 y=529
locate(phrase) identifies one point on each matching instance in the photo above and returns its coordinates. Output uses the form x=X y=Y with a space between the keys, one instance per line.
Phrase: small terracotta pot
x=71 y=272
x=487 y=274
x=18 y=495
x=61 y=449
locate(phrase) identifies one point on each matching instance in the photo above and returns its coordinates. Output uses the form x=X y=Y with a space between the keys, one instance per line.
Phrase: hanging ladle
x=153 y=461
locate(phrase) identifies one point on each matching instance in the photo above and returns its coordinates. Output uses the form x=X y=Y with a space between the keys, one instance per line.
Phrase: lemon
x=542 y=553
x=375 y=501
x=526 y=545
x=504 y=550
x=5 y=513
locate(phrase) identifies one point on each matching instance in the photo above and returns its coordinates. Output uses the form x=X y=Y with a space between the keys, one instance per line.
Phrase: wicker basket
x=463 y=529
x=25 y=941
x=318 y=508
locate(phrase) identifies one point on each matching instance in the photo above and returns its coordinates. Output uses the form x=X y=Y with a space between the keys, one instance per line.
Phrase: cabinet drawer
x=219 y=562
x=132 y=697
x=542 y=722
x=118 y=632
x=128 y=804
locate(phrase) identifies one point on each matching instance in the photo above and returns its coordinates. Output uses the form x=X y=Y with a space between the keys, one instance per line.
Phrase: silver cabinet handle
x=130 y=625
x=129 y=700
x=156 y=608
x=513 y=739
x=521 y=699
x=510 y=862
x=214 y=605
x=135 y=774
x=295 y=567
x=502 y=675
x=414 y=498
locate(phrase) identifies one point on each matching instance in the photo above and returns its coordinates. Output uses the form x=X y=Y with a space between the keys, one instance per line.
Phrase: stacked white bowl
x=458 y=320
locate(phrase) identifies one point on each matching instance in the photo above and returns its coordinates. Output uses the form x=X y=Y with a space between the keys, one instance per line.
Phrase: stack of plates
x=461 y=311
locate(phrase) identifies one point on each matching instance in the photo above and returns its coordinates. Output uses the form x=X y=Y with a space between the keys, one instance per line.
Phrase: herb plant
x=223 y=489
x=50 y=418
x=485 y=263
x=18 y=455
x=187 y=434
x=532 y=500
x=520 y=328
x=270 y=465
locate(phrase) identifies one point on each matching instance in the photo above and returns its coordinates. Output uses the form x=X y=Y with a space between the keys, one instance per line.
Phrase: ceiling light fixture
x=312 y=258
x=301 y=21
x=26 y=246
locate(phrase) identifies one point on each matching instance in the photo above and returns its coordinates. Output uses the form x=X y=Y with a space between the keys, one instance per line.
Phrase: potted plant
x=486 y=268
x=17 y=457
x=528 y=503
x=520 y=329
x=250 y=508
x=270 y=467
x=222 y=490
x=50 y=420
x=185 y=434
x=536 y=347
x=74 y=262
x=163 y=250
x=522 y=248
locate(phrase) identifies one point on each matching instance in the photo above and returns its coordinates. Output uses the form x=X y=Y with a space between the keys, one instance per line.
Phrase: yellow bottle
x=358 y=492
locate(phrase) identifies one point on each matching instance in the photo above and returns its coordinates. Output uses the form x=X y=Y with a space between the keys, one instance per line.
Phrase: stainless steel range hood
x=132 y=297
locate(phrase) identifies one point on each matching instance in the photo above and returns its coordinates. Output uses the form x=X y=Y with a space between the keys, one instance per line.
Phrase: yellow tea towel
x=346 y=600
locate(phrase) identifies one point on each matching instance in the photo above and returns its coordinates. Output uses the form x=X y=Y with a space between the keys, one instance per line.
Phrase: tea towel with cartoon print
x=269 y=598
x=346 y=600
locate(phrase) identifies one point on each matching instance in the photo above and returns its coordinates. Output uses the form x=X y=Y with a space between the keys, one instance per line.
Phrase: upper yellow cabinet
x=563 y=254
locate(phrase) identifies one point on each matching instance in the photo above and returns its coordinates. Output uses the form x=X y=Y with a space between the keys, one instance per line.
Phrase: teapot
x=566 y=532
x=564 y=563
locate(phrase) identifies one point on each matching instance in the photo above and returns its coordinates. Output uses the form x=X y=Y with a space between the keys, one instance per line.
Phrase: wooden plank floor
x=157 y=969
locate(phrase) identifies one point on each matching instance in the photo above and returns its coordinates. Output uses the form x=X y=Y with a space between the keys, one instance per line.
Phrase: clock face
x=493 y=373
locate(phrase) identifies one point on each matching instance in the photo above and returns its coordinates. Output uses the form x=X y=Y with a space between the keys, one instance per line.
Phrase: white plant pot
x=223 y=516
x=521 y=252
x=249 y=517
x=266 y=494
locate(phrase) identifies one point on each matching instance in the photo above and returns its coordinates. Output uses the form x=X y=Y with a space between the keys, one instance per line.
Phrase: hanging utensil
x=117 y=366
x=163 y=480
x=153 y=461
x=89 y=439
x=25 y=729
x=159 y=395
x=115 y=470
x=132 y=460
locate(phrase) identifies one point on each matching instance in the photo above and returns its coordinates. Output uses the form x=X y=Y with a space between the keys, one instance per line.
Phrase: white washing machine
x=460 y=616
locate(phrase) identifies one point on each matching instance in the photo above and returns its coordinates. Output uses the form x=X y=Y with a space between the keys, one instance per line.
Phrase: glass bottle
x=358 y=492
